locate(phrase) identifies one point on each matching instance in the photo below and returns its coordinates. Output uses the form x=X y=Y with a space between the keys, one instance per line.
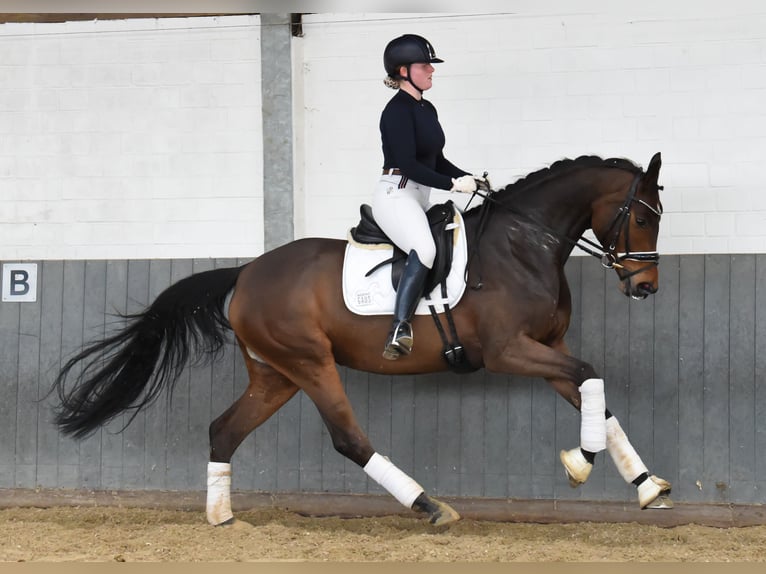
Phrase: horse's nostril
x=647 y=288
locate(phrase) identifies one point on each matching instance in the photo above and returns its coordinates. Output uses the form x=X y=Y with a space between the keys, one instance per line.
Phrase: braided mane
x=564 y=166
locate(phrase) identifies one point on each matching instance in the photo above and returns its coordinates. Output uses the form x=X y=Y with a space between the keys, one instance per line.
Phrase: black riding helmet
x=406 y=50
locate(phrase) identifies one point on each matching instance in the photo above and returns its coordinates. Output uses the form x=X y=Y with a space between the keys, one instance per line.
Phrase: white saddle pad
x=374 y=295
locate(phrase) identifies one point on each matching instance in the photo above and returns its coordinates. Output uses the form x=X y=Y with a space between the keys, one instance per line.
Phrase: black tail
x=128 y=370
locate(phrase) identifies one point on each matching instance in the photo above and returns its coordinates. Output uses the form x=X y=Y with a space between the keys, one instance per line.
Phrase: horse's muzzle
x=640 y=291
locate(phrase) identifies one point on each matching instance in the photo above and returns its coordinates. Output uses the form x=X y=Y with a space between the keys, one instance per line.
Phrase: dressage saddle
x=439 y=218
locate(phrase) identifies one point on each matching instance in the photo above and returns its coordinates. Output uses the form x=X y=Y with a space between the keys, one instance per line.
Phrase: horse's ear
x=653 y=171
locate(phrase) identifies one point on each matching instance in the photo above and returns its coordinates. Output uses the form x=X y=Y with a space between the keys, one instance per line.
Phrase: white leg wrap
x=385 y=473
x=218 y=492
x=623 y=454
x=593 y=421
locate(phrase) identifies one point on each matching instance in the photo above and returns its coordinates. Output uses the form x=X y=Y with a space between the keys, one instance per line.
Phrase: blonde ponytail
x=390 y=82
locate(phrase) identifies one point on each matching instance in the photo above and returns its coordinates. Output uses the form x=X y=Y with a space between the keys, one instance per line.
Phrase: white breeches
x=401 y=214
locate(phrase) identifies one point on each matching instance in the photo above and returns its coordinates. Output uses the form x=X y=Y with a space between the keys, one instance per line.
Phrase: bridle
x=609 y=257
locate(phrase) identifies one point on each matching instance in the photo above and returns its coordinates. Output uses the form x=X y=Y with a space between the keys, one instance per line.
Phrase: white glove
x=464 y=184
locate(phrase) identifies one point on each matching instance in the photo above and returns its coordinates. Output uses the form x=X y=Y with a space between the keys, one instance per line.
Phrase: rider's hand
x=482 y=182
x=464 y=184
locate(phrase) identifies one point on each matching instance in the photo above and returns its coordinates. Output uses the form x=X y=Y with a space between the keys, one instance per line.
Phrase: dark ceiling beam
x=61 y=17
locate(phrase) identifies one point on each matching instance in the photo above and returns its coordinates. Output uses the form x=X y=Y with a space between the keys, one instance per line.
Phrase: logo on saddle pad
x=372 y=265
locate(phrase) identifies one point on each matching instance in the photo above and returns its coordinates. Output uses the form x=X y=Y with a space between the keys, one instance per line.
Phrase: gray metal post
x=276 y=93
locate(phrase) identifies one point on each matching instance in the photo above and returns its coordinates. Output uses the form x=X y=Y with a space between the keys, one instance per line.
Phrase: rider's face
x=421 y=75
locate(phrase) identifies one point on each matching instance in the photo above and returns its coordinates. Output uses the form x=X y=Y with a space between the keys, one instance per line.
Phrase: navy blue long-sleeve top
x=413 y=141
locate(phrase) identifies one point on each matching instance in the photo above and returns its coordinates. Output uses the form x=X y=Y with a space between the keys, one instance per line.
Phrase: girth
x=439 y=217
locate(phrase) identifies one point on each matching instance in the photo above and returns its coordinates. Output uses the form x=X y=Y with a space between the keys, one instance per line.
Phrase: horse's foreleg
x=526 y=356
x=576 y=465
x=266 y=392
x=652 y=490
x=326 y=390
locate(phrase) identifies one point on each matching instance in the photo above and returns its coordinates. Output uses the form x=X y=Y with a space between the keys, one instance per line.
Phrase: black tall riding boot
x=408 y=295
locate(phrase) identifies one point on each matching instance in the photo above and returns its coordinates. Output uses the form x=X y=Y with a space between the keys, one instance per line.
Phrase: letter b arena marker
x=19 y=282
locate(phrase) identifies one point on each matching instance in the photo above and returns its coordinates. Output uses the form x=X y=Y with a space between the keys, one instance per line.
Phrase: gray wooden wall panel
x=134 y=443
x=71 y=339
x=683 y=371
x=520 y=437
x=471 y=464
x=402 y=426
x=51 y=287
x=93 y=327
x=759 y=402
x=27 y=394
x=424 y=439
x=742 y=373
x=691 y=368
x=288 y=445
x=357 y=386
x=496 y=460
x=202 y=386
x=112 y=440
x=448 y=429
x=179 y=445
x=665 y=337
x=9 y=370
x=310 y=462
x=716 y=400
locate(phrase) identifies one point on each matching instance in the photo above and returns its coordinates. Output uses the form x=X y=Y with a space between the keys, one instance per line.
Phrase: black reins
x=609 y=257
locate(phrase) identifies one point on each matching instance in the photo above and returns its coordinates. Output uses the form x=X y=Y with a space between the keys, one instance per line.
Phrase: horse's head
x=629 y=234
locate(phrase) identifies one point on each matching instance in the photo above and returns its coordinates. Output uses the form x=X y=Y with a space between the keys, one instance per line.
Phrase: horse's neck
x=561 y=208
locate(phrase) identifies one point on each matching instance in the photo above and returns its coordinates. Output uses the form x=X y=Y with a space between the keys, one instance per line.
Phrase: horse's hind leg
x=266 y=392
x=652 y=491
x=322 y=384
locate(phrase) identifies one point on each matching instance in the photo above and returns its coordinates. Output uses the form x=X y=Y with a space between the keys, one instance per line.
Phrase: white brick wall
x=132 y=138
x=142 y=138
x=524 y=88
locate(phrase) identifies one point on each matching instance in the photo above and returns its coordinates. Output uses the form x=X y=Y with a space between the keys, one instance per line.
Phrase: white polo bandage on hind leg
x=387 y=475
x=593 y=418
x=218 y=507
x=625 y=457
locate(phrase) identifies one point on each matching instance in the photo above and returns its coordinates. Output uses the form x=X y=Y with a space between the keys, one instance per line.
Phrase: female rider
x=413 y=163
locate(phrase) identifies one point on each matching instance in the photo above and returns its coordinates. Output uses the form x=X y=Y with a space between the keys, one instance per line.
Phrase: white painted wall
x=131 y=139
x=521 y=89
x=143 y=139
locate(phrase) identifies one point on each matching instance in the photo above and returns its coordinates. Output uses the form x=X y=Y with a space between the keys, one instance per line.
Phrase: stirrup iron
x=400 y=341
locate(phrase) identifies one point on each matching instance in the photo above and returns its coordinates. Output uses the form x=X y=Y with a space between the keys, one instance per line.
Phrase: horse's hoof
x=443 y=515
x=576 y=467
x=234 y=524
x=662 y=502
x=654 y=493
x=439 y=513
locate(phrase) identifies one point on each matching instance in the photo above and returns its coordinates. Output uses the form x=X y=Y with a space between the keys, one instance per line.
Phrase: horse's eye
x=641 y=222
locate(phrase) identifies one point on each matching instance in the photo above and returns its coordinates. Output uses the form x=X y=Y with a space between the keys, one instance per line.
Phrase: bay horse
x=288 y=317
